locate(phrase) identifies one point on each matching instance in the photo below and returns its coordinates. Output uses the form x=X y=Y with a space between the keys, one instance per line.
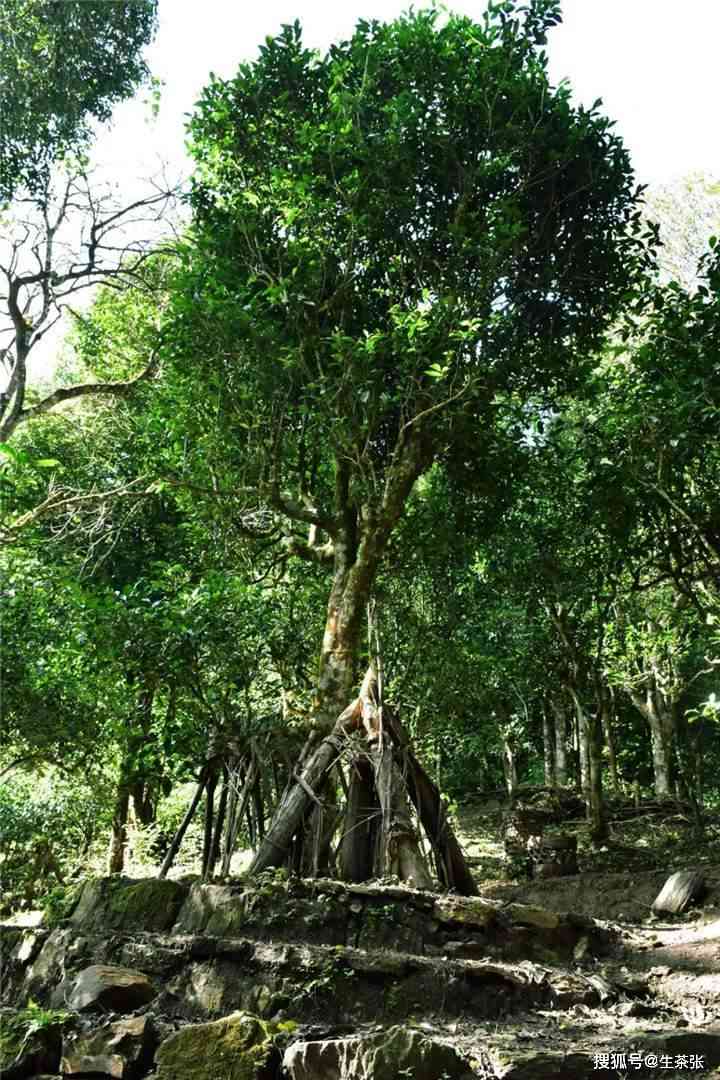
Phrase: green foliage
x=48 y=825
x=63 y=65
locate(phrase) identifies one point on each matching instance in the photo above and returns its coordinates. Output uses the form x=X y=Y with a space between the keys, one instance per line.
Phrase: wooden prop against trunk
x=309 y=782
x=451 y=865
x=362 y=819
x=679 y=891
x=189 y=813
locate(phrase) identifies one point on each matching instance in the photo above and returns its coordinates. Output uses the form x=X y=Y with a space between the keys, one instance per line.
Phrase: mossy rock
x=238 y=1047
x=30 y=1041
x=127 y=904
x=465 y=911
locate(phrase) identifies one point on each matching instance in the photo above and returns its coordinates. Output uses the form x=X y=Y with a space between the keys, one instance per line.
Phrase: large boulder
x=26 y=1046
x=127 y=904
x=112 y=988
x=238 y=1047
x=383 y=1055
x=122 y=1050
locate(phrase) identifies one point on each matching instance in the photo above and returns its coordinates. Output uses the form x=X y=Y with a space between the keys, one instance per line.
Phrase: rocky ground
x=558 y=979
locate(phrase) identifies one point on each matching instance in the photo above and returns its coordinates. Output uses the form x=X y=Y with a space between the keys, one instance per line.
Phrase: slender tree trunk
x=589 y=732
x=509 y=765
x=118 y=830
x=607 y=702
x=548 y=749
x=209 y=821
x=189 y=814
x=581 y=737
x=218 y=827
x=560 y=743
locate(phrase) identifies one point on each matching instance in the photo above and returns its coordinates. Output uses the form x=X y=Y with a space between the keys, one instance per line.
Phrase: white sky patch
x=653 y=63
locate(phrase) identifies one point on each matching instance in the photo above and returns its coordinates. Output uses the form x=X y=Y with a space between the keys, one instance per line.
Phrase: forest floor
x=617 y=884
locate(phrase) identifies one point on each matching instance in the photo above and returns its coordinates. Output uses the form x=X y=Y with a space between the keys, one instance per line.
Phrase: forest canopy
x=393 y=478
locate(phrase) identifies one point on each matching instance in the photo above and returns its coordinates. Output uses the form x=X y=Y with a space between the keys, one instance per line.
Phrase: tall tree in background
x=63 y=63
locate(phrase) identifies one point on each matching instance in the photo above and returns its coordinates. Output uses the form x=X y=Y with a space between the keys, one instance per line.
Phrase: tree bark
x=589 y=735
x=361 y=823
x=189 y=814
x=658 y=713
x=398 y=849
x=452 y=868
x=560 y=742
x=606 y=712
x=118 y=831
x=548 y=748
x=509 y=765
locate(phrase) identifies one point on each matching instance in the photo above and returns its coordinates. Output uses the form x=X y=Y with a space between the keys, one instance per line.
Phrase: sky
x=653 y=62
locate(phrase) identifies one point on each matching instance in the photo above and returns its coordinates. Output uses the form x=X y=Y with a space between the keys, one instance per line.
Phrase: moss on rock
x=30 y=1041
x=238 y=1047
x=150 y=904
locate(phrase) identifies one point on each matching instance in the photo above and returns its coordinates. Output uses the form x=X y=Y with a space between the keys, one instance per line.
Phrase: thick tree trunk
x=452 y=868
x=361 y=822
x=398 y=851
x=290 y=813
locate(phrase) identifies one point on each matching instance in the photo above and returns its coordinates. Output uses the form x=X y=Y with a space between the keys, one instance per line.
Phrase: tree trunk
x=238 y=812
x=209 y=821
x=218 y=827
x=509 y=765
x=607 y=700
x=658 y=714
x=452 y=868
x=398 y=850
x=189 y=813
x=118 y=832
x=361 y=823
x=581 y=738
x=548 y=749
x=589 y=736
x=560 y=717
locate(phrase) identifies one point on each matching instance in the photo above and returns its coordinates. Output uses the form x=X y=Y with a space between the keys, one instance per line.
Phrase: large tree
x=388 y=240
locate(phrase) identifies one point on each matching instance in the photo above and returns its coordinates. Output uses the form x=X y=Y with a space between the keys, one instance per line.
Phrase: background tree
x=63 y=65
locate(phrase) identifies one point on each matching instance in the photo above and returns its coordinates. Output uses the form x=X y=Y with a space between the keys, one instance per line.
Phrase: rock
x=24 y=1051
x=123 y=1049
x=679 y=891
x=128 y=904
x=385 y=1055
x=465 y=911
x=238 y=1047
x=105 y=986
x=212 y=909
x=525 y=915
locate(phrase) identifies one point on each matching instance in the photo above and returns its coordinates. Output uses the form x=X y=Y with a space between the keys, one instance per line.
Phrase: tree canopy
x=63 y=65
